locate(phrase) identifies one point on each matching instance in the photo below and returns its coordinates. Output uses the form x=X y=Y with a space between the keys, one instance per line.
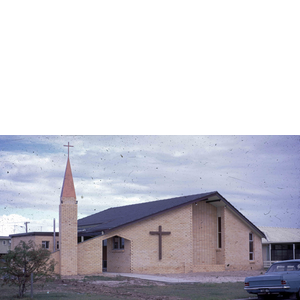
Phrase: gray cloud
x=257 y=174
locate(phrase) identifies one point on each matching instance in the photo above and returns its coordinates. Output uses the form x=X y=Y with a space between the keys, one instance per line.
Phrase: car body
x=282 y=278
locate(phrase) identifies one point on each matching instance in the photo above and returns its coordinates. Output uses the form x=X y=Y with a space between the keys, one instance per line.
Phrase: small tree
x=25 y=259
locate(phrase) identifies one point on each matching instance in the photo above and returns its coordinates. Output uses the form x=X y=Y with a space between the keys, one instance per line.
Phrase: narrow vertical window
x=251 y=254
x=219 y=233
x=121 y=243
x=116 y=242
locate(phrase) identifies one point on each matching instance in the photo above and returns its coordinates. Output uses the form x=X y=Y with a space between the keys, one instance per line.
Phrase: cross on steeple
x=160 y=233
x=68 y=147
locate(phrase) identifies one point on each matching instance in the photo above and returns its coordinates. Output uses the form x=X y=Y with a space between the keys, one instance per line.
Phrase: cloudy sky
x=259 y=175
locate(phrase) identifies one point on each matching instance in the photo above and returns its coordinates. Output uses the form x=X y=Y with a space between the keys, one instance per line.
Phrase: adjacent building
x=280 y=244
x=4 y=245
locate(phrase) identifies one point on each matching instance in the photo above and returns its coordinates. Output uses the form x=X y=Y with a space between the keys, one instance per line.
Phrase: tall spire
x=68 y=224
x=68 y=189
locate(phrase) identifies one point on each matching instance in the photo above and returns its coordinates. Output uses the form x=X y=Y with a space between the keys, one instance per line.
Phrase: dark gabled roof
x=113 y=218
x=123 y=215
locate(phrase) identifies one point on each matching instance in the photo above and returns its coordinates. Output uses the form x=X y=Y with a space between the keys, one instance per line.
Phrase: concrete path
x=181 y=279
x=153 y=277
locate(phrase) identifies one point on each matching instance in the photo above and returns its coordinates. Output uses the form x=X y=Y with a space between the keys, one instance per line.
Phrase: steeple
x=68 y=224
x=68 y=189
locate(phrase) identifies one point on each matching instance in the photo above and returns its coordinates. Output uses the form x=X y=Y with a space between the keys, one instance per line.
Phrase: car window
x=283 y=267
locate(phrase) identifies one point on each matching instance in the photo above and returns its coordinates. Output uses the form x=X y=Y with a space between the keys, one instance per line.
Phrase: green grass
x=8 y=293
x=194 y=291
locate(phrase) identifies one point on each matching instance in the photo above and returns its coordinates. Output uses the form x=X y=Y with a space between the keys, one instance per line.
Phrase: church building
x=194 y=233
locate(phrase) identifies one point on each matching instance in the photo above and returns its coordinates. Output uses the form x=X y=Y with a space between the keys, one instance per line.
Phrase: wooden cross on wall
x=160 y=233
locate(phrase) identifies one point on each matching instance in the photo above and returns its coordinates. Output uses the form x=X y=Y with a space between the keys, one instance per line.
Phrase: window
x=57 y=245
x=4 y=242
x=118 y=243
x=251 y=253
x=219 y=233
x=297 y=251
x=283 y=267
x=282 y=251
x=45 y=244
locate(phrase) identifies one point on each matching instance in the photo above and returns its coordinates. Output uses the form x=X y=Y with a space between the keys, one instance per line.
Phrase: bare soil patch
x=118 y=286
x=217 y=277
x=112 y=288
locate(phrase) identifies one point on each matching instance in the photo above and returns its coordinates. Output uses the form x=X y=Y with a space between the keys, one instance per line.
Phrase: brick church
x=195 y=233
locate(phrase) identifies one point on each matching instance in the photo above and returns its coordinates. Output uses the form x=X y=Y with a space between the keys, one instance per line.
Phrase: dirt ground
x=104 y=287
x=217 y=277
x=79 y=284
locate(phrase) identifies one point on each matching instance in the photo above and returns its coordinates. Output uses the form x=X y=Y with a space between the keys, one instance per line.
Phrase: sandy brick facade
x=37 y=239
x=192 y=245
x=236 y=241
x=143 y=247
x=119 y=260
x=68 y=236
x=56 y=256
x=90 y=257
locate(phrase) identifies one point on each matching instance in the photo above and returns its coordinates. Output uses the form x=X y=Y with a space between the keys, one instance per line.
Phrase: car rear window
x=283 y=267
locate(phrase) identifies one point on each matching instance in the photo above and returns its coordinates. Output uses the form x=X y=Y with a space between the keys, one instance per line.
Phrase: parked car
x=282 y=278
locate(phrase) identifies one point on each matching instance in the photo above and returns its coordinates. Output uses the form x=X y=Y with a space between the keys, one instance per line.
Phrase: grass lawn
x=87 y=290
x=193 y=291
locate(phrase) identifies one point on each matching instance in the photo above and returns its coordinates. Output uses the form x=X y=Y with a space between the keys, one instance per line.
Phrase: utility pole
x=26 y=226
x=54 y=248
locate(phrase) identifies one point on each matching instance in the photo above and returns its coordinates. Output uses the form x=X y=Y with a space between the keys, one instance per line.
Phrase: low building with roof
x=280 y=244
x=47 y=240
x=4 y=245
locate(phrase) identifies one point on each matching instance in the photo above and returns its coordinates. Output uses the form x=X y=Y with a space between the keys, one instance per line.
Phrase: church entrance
x=116 y=254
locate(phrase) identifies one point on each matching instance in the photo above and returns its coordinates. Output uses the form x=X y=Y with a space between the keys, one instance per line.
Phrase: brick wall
x=237 y=244
x=56 y=257
x=90 y=257
x=37 y=239
x=176 y=247
x=119 y=260
x=204 y=234
x=68 y=236
x=192 y=245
